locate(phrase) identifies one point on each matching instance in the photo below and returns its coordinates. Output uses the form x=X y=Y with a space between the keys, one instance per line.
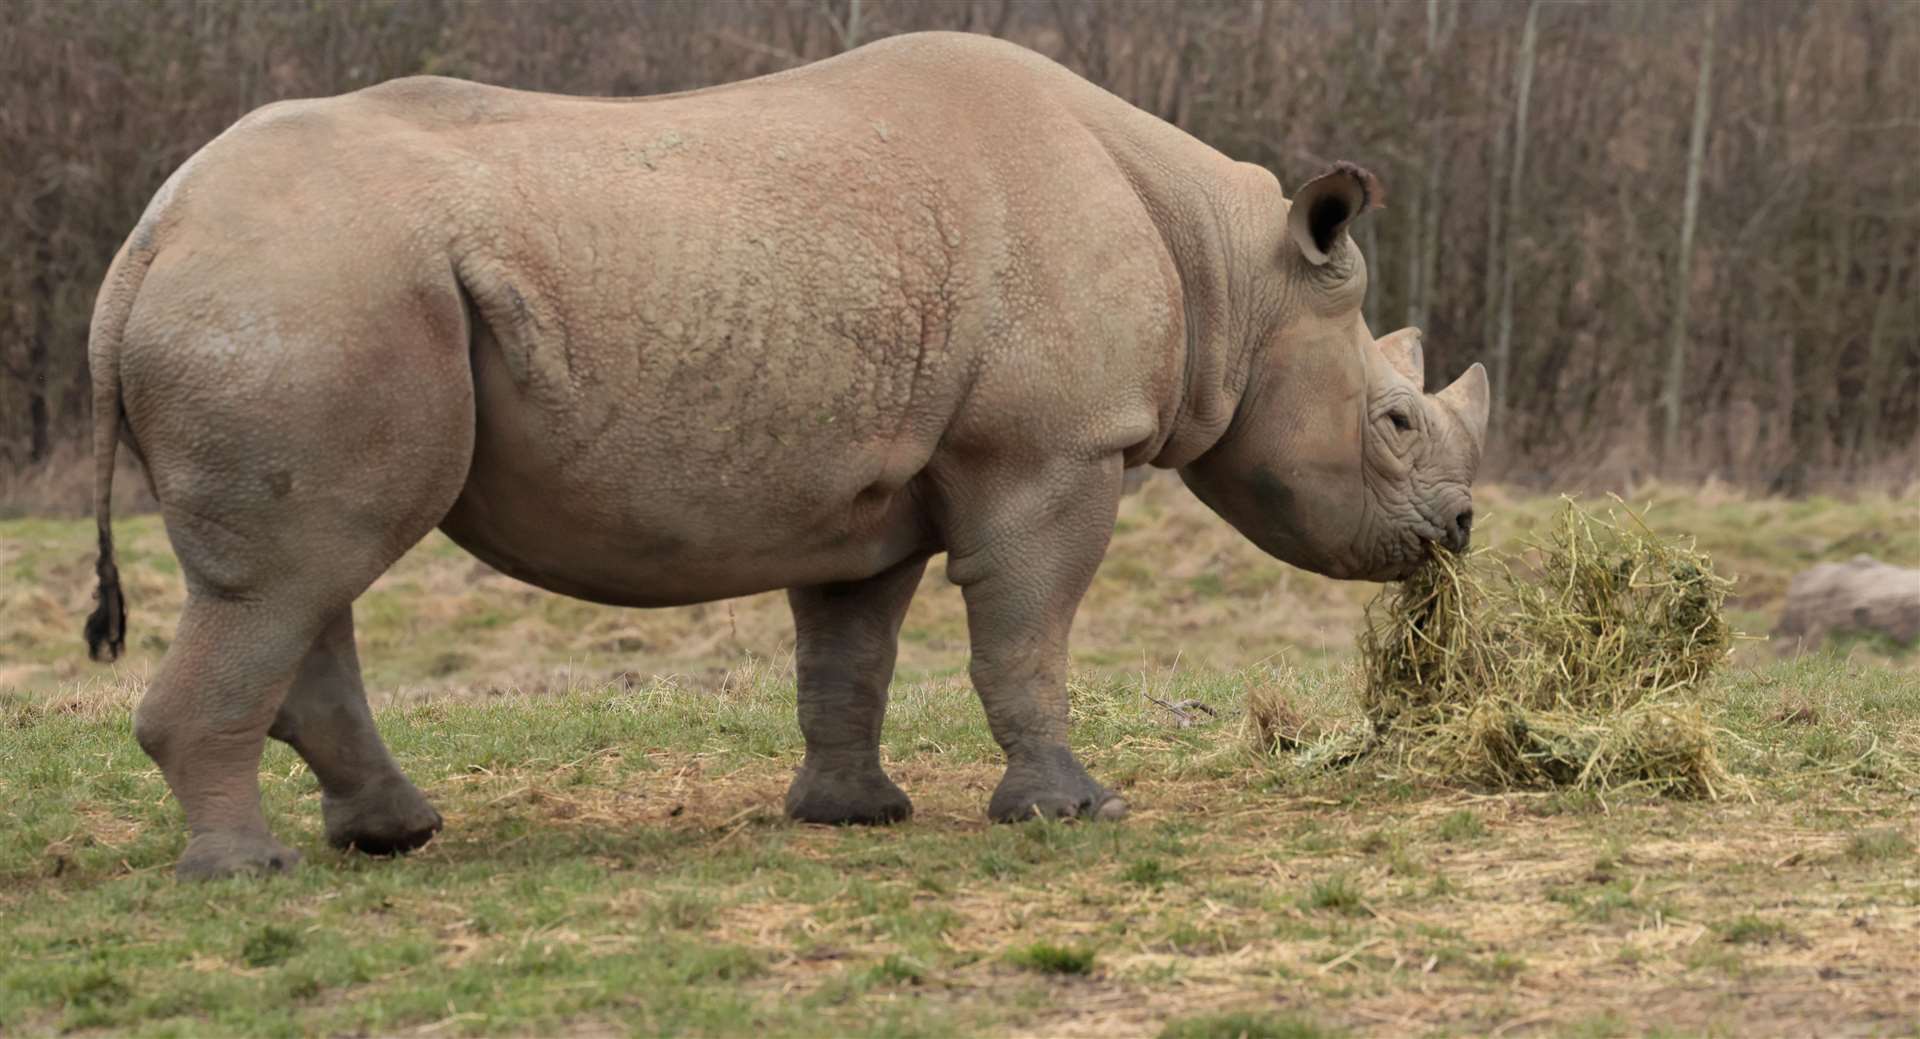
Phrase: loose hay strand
x=1572 y=662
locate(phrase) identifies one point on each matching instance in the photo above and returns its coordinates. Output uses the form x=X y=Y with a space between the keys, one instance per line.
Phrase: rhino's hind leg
x=1023 y=567
x=303 y=427
x=204 y=722
x=846 y=636
x=242 y=656
x=366 y=801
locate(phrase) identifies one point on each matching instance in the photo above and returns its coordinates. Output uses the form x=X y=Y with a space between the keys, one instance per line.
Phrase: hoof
x=214 y=856
x=1052 y=786
x=864 y=798
x=1106 y=808
x=385 y=818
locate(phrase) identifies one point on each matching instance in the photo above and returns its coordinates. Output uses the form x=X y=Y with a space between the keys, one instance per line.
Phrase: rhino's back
x=719 y=334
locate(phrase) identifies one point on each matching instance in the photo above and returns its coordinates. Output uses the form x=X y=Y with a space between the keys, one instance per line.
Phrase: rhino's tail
x=107 y=625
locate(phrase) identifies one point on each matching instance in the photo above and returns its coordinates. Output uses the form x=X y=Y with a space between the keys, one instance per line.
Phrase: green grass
x=1338 y=893
x=615 y=858
x=895 y=969
x=1049 y=958
x=1245 y=1025
x=1502 y=966
x=1462 y=825
x=1879 y=845
x=1748 y=929
x=1150 y=873
x=1612 y=899
x=270 y=946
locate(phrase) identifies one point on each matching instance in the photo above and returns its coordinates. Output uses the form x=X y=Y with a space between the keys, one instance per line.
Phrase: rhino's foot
x=850 y=796
x=387 y=817
x=212 y=856
x=1051 y=785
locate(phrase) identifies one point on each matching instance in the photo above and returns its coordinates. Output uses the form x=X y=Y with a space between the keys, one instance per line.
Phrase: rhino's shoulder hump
x=424 y=102
x=959 y=53
x=432 y=101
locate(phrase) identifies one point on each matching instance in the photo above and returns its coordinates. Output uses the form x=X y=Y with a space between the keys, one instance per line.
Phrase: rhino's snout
x=1451 y=529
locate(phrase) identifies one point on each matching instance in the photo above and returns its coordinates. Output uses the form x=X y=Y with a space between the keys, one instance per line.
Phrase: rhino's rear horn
x=1404 y=354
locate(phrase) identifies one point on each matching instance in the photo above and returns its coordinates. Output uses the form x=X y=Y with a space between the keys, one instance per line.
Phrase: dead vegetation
x=1807 y=178
x=1573 y=659
x=1178 y=585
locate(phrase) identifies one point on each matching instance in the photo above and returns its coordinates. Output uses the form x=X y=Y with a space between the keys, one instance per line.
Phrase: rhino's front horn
x=1468 y=397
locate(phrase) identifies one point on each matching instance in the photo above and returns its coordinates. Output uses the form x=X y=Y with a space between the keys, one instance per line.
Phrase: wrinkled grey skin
x=801 y=332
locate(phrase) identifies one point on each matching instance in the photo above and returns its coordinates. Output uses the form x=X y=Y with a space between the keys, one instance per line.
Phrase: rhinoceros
x=799 y=332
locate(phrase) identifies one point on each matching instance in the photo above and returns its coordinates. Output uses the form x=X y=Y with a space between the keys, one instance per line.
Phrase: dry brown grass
x=1541 y=924
x=1178 y=586
x=605 y=842
x=1573 y=660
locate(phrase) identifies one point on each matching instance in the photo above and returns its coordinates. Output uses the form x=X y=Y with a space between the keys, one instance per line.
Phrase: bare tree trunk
x=1376 y=273
x=1426 y=231
x=1523 y=89
x=849 y=30
x=1170 y=96
x=1260 y=17
x=1875 y=382
x=1410 y=263
x=1683 y=273
x=1876 y=385
x=1779 y=417
x=38 y=374
x=1490 y=291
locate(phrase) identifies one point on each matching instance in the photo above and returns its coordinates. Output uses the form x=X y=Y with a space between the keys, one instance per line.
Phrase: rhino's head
x=1337 y=460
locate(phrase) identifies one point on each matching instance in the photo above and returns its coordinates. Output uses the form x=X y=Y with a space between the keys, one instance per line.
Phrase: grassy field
x=615 y=859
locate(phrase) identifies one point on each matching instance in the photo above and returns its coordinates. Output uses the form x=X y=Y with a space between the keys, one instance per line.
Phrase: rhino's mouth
x=1413 y=555
x=1393 y=551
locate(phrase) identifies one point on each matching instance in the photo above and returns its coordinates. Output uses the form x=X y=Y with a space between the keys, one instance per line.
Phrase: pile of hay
x=1572 y=662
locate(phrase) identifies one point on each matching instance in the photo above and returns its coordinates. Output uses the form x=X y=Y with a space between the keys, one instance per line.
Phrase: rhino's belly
x=665 y=562
x=657 y=540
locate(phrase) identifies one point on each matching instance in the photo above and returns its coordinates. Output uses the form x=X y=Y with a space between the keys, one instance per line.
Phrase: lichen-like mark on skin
x=522 y=334
x=1275 y=500
x=522 y=314
x=279 y=483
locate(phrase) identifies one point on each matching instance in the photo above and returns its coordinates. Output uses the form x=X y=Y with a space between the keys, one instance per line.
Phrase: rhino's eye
x=1399 y=420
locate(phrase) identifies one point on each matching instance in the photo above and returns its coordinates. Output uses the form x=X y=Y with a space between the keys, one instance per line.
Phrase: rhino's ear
x=1403 y=353
x=1323 y=208
x=1468 y=397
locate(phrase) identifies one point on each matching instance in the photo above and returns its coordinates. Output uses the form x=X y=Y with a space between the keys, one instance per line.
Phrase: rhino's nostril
x=1462 y=531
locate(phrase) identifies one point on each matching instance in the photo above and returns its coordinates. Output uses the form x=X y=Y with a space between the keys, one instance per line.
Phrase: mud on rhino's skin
x=798 y=332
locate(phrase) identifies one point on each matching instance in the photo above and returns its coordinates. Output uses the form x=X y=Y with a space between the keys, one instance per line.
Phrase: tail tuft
x=107 y=625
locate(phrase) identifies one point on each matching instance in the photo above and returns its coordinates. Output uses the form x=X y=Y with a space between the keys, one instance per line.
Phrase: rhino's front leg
x=1036 y=555
x=845 y=639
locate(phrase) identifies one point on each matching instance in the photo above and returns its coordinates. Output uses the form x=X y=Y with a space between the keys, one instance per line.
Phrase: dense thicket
x=1635 y=211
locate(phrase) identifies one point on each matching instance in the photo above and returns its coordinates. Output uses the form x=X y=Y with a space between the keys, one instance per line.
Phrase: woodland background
x=1684 y=237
